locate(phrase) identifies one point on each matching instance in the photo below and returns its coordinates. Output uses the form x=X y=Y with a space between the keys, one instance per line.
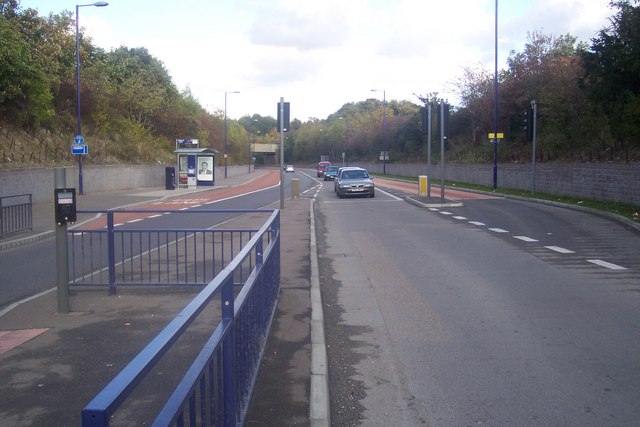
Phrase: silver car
x=354 y=182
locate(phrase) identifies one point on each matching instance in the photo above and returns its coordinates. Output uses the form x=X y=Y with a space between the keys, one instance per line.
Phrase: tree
x=613 y=72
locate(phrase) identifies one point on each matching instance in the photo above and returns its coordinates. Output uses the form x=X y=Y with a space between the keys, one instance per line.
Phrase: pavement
x=52 y=365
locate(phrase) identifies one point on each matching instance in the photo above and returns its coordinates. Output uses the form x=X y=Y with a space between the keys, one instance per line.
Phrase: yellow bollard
x=423 y=185
x=295 y=188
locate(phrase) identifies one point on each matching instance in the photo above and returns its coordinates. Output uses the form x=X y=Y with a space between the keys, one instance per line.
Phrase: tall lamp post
x=79 y=134
x=495 y=106
x=384 y=129
x=225 y=130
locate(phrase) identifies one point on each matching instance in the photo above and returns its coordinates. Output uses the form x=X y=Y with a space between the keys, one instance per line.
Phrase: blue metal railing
x=15 y=214
x=216 y=388
x=117 y=253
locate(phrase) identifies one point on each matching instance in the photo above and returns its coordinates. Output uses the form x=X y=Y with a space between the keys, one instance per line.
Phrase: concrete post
x=62 y=256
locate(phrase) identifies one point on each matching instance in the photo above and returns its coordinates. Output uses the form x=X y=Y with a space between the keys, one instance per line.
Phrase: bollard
x=295 y=188
x=423 y=185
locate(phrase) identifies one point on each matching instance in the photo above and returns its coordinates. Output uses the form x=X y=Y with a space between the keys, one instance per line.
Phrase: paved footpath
x=52 y=364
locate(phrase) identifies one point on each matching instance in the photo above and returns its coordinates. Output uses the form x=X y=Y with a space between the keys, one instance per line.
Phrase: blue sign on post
x=78 y=139
x=79 y=149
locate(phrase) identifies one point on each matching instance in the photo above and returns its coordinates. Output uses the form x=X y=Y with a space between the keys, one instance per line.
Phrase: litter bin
x=170 y=178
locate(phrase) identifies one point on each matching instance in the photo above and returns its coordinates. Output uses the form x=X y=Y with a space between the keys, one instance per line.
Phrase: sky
x=319 y=55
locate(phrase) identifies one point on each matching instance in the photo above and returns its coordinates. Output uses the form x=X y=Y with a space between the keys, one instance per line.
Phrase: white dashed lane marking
x=525 y=238
x=560 y=250
x=606 y=264
x=498 y=230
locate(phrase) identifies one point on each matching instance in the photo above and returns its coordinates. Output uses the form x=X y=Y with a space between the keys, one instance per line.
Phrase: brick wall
x=599 y=181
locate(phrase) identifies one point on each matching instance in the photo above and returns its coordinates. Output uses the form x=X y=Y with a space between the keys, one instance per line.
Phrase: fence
x=15 y=214
x=216 y=388
x=112 y=251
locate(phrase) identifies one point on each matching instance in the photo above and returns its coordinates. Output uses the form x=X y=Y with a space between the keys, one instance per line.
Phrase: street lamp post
x=225 y=130
x=384 y=129
x=79 y=129
x=495 y=106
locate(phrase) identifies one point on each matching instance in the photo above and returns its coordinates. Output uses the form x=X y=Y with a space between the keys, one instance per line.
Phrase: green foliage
x=587 y=97
x=613 y=72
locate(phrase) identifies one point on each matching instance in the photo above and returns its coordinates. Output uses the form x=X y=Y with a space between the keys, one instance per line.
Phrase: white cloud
x=320 y=55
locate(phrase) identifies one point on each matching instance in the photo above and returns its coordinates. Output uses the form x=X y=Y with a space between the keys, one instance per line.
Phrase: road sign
x=78 y=140
x=79 y=149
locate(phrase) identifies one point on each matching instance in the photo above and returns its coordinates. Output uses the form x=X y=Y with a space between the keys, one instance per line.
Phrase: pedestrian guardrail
x=16 y=214
x=112 y=251
x=216 y=387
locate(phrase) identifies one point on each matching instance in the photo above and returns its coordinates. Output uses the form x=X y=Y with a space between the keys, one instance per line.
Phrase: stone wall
x=40 y=182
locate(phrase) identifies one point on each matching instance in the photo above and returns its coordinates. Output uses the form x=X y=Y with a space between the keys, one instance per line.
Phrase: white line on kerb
x=606 y=264
x=525 y=238
x=560 y=250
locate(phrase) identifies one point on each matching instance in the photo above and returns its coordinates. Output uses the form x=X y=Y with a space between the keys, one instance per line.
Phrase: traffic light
x=425 y=114
x=528 y=123
x=285 y=124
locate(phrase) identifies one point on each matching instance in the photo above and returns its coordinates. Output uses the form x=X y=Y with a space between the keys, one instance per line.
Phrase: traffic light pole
x=534 y=108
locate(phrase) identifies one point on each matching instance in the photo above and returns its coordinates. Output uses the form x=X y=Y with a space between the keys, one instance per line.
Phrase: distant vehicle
x=289 y=168
x=321 y=168
x=354 y=182
x=330 y=173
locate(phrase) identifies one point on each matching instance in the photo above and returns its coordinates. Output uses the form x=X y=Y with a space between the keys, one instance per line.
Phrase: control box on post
x=65 y=205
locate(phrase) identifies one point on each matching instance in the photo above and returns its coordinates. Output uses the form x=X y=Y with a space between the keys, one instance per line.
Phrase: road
x=496 y=312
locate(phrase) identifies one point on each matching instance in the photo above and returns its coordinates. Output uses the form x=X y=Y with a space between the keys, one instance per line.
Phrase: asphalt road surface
x=496 y=313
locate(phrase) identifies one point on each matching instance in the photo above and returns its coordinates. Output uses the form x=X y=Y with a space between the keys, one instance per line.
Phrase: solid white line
x=525 y=238
x=476 y=223
x=498 y=230
x=388 y=194
x=16 y=304
x=606 y=264
x=134 y=220
x=560 y=250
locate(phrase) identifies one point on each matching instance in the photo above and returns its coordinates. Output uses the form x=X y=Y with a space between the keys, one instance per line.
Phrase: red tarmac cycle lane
x=268 y=179
x=412 y=187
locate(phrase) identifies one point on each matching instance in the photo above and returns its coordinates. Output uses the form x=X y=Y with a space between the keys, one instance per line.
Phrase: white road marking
x=155 y=216
x=606 y=264
x=560 y=250
x=446 y=213
x=134 y=220
x=498 y=230
x=388 y=194
x=476 y=223
x=434 y=209
x=460 y=217
x=525 y=238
